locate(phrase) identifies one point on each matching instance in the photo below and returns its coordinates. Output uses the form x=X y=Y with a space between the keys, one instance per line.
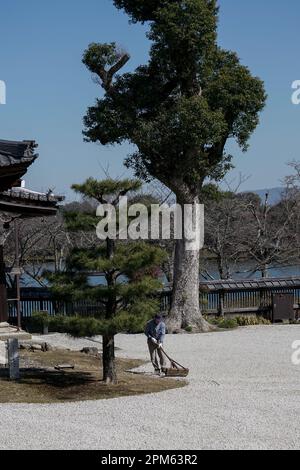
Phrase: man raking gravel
x=155 y=332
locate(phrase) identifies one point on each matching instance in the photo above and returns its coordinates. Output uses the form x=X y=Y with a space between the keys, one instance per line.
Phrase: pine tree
x=128 y=298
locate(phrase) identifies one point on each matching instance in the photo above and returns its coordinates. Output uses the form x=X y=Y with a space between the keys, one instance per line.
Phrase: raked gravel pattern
x=243 y=393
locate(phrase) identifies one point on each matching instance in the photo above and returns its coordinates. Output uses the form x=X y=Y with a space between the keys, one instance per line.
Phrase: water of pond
x=240 y=271
x=245 y=271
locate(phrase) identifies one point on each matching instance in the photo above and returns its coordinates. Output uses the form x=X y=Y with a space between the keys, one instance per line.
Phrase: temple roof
x=29 y=203
x=250 y=284
x=15 y=158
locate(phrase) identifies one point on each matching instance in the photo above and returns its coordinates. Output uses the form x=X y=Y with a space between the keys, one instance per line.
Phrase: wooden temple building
x=17 y=202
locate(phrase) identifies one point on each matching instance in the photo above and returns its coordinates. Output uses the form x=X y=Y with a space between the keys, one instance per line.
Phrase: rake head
x=176 y=369
x=177 y=372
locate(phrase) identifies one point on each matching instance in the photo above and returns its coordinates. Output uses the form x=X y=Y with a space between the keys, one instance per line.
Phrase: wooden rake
x=176 y=370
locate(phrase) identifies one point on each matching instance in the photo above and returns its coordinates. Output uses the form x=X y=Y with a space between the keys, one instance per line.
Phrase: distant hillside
x=275 y=194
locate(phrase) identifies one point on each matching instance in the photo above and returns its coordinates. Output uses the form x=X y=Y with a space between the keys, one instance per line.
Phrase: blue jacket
x=157 y=331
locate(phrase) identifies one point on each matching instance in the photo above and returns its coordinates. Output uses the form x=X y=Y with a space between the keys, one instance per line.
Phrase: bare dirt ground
x=41 y=383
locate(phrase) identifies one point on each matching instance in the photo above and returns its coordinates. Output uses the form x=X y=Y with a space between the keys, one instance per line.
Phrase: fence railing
x=248 y=301
x=211 y=303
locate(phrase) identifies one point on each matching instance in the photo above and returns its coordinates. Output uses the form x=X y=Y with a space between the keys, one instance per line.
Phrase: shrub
x=228 y=323
x=189 y=329
x=57 y=323
x=234 y=322
x=252 y=320
x=38 y=321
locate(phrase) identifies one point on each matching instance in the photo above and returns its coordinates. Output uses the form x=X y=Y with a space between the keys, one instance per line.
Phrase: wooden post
x=17 y=265
x=3 y=353
x=221 y=304
x=13 y=359
x=3 y=293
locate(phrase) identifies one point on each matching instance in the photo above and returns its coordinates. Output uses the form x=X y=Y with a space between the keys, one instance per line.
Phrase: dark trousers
x=157 y=356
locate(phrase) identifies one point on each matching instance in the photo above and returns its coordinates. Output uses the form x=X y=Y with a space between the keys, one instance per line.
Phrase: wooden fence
x=219 y=299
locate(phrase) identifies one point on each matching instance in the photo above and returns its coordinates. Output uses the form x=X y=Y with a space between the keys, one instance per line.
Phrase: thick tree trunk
x=185 y=308
x=108 y=358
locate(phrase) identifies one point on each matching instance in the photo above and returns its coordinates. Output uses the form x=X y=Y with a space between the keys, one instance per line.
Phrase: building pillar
x=3 y=291
x=221 y=304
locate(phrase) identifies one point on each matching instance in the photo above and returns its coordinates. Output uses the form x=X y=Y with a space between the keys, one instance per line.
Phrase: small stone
x=25 y=346
x=36 y=347
x=29 y=346
x=46 y=347
x=64 y=366
x=90 y=351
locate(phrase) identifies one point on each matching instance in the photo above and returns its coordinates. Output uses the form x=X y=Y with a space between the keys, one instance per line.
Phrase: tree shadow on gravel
x=40 y=382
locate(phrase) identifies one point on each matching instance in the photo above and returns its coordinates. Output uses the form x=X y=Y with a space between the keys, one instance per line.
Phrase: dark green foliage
x=143 y=10
x=182 y=107
x=128 y=297
x=211 y=192
x=38 y=321
x=238 y=321
x=80 y=327
x=80 y=221
x=179 y=110
x=101 y=56
x=58 y=324
x=108 y=190
x=189 y=329
x=227 y=323
x=224 y=323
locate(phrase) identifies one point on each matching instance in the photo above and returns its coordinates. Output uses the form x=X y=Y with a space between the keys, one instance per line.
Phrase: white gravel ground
x=244 y=393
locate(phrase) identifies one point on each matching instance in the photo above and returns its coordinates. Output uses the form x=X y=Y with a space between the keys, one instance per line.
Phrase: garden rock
x=90 y=351
x=29 y=346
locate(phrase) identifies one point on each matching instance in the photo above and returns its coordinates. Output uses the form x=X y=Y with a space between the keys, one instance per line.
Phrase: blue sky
x=49 y=90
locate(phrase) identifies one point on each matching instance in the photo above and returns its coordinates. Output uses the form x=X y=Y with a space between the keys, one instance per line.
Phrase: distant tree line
x=239 y=227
